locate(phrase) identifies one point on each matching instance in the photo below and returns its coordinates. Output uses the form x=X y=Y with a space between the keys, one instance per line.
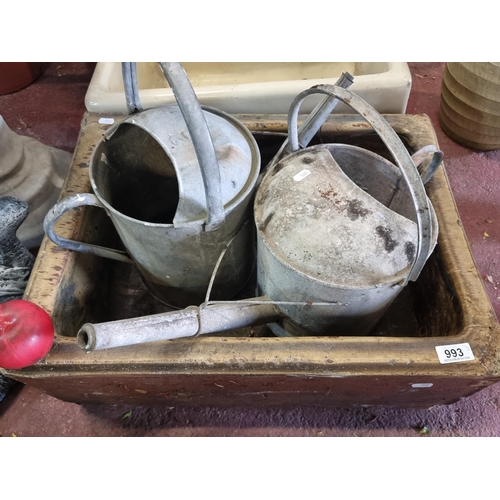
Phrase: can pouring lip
x=191 y=127
x=398 y=151
x=236 y=148
x=328 y=230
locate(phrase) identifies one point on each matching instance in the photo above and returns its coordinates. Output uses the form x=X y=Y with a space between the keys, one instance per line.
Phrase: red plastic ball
x=26 y=334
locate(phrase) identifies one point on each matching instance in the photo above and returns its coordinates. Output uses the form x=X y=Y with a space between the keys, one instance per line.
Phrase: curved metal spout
x=130 y=85
x=188 y=322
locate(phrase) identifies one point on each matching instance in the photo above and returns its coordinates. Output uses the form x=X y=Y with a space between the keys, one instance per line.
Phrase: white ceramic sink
x=253 y=87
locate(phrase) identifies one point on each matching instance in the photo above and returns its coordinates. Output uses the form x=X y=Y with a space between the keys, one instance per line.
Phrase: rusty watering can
x=340 y=232
x=177 y=182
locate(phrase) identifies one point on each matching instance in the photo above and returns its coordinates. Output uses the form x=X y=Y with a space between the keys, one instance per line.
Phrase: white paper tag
x=107 y=121
x=454 y=353
x=301 y=175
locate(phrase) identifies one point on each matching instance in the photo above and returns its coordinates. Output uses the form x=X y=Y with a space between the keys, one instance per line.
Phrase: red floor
x=50 y=111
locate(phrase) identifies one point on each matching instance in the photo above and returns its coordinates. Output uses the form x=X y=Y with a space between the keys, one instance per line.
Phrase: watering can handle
x=72 y=202
x=401 y=156
x=202 y=141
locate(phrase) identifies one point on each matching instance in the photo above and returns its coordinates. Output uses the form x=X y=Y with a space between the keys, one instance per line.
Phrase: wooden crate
x=397 y=365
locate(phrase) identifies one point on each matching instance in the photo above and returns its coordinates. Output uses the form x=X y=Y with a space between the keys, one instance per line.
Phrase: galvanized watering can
x=341 y=228
x=177 y=182
x=340 y=232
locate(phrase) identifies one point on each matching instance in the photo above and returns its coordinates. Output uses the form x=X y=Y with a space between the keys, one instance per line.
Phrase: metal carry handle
x=202 y=141
x=314 y=121
x=75 y=201
x=197 y=127
x=400 y=154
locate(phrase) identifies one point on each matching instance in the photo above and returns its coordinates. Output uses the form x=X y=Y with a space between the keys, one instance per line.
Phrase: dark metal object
x=16 y=261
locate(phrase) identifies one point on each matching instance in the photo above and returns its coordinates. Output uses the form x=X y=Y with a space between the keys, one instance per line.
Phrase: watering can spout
x=189 y=322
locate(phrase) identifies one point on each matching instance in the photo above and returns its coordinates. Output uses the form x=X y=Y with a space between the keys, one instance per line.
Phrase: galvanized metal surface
x=399 y=154
x=202 y=142
x=188 y=322
x=311 y=125
x=154 y=148
x=145 y=173
x=131 y=87
x=336 y=235
x=427 y=160
x=322 y=238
